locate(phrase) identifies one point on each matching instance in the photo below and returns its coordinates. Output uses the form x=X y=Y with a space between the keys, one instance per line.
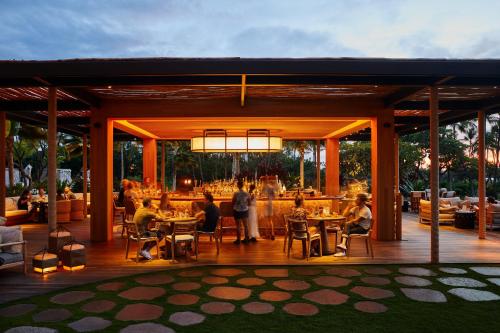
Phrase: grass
x=403 y=315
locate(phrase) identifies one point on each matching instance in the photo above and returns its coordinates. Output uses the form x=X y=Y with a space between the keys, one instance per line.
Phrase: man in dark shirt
x=210 y=215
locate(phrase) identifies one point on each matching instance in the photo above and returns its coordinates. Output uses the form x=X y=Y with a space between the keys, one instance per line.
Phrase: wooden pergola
x=315 y=99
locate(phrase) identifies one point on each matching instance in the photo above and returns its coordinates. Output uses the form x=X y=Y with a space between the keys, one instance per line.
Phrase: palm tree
x=301 y=147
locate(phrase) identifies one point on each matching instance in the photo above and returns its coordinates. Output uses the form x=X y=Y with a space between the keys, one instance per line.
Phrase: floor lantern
x=73 y=256
x=58 y=238
x=45 y=262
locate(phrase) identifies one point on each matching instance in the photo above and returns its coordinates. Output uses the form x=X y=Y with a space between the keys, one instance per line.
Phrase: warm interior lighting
x=73 y=268
x=45 y=270
x=126 y=126
x=255 y=141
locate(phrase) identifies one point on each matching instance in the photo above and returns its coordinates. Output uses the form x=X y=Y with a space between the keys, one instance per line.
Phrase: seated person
x=142 y=218
x=300 y=213
x=24 y=200
x=41 y=194
x=60 y=195
x=69 y=194
x=210 y=215
x=359 y=222
x=130 y=193
x=165 y=203
x=120 y=202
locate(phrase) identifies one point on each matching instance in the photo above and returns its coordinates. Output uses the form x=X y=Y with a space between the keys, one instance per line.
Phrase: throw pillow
x=11 y=235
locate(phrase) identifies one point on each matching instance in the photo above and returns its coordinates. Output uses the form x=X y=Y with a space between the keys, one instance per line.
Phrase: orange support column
x=149 y=162
x=2 y=163
x=382 y=135
x=101 y=177
x=332 y=174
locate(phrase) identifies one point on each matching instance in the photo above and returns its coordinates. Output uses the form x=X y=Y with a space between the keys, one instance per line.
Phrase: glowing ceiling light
x=255 y=141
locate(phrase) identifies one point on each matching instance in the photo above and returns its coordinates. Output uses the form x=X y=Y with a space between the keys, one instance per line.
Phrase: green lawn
x=403 y=314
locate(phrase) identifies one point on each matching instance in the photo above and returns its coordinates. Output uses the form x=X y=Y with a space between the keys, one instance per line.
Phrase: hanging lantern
x=255 y=141
x=45 y=262
x=73 y=256
x=58 y=238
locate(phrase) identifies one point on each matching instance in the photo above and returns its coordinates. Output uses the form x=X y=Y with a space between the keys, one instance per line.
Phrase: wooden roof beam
x=41 y=105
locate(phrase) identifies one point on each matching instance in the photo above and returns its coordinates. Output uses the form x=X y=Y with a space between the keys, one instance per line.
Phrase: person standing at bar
x=270 y=193
x=241 y=201
x=253 y=220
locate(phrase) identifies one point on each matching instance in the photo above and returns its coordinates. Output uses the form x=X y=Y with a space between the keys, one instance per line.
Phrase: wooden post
x=481 y=167
x=396 y=162
x=149 y=162
x=162 y=172
x=434 y=172
x=318 y=165
x=332 y=176
x=101 y=176
x=382 y=174
x=2 y=162
x=84 y=157
x=397 y=194
x=52 y=159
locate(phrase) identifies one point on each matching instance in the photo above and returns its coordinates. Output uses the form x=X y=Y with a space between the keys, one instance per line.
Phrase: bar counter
x=281 y=206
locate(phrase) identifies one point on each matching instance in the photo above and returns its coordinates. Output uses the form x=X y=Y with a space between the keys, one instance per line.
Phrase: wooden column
x=332 y=174
x=101 y=177
x=52 y=159
x=2 y=162
x=382 y=173
x=396 y=162
x=481 y=168
x=398 y=197
x=149 y=154
x=162 y=171
x=85 y=165
x=434 y=171
x=318 y=165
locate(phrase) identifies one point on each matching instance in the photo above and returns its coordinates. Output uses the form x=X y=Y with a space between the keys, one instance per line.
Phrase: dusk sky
x=58 y=29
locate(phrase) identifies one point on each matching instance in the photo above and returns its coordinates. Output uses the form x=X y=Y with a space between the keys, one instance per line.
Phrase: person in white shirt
x=359 y=222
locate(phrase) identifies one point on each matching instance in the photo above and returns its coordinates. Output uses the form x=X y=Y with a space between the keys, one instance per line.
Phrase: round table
x=322 y=221
x=170 y=222
x=465 y=219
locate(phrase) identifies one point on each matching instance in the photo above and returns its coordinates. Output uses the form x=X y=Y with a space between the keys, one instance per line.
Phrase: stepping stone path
x=147 y=327
x=274 y=296
x=372 y=293
x=461 y=282
x=30 y=329
x=486 y=270
x=375 y=280
x=17 y=310
x=111 y=286
x=307 y=271
x=258 y=308
x=152 y=280
x=474 y=295
x=343 y=272
x=452 y=270
x=417 y=271
x=326 y=297
x=331 y=281
x=230 y=293
x=191 y=273
x=272 y=272
x=214 y=280
x=90 y=324
x=370 y=307
x=186 y=286
x=228 y=272
x=495 y=281
x=424 y=295
x=51 y=315
x=292 y=285
x=99 y=306
x=377 y=271
x=139 y=311
x=412 y=281
x=217 y=308
x=186 y=318
x=72 y=297
x=250 y=282
x=183 y=299
x=300 y=309
x=142 y=293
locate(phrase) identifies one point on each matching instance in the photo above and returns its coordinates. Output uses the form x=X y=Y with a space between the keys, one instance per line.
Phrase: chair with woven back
x=183 y=232
x=299 y=229
x=133 y=235
x=287 y=231
x=213 y=234
x=366 y=237
x=226 y=212
x=119 y=212
x=129 y=209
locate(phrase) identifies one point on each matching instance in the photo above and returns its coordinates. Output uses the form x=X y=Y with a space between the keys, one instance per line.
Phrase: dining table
x=323 y=221
x=167 y=224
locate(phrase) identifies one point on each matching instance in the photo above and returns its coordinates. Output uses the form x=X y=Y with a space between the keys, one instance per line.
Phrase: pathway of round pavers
x=377 y=271
x=90 y=324
x=462 y=282
x=147 y=327
x=272 y=272
x=191 y=273
x=424 y=295
x=228 y=272
x=186 y=286
x=375 y=280
x=370 y=307
x=217 y=308
x=326 y=296
x=17 y=310
x=487 y=270
x=111 y=286
x=183 y=299
x=142 y=293
x=452 y=270
x=215 y=280
x=99 y=306
x=157 y=279
x=274 y=296
x=52 y=315
x=372 y=293
x=258 y=308
x=417 y=271
x=301 y=309
x=412 y=281
x=343 y=272
x=139 y=311
x=72 y=297
x=230 y=293
x=331 y=281
x=474 y=295
x=250 y=281
x=30 y=329
x=292 y=285
x=307 y=271
x=186 y=318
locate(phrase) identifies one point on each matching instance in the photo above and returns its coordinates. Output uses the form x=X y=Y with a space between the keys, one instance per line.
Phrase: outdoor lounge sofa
x=12 y=248
x=493 y=216
x=12 y=214
x=446 y=214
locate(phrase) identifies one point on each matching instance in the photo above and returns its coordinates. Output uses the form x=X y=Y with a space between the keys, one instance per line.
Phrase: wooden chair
x=129 y=209
x=213 y=234
x=287 y=231
x=184 y=232
x=333 y=228
x=119 y=212
x=366 y=237
x=299 y=230
x=134 y=236
x=226 y=212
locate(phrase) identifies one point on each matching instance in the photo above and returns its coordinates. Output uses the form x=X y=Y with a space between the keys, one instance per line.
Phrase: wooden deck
x=107 y=260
